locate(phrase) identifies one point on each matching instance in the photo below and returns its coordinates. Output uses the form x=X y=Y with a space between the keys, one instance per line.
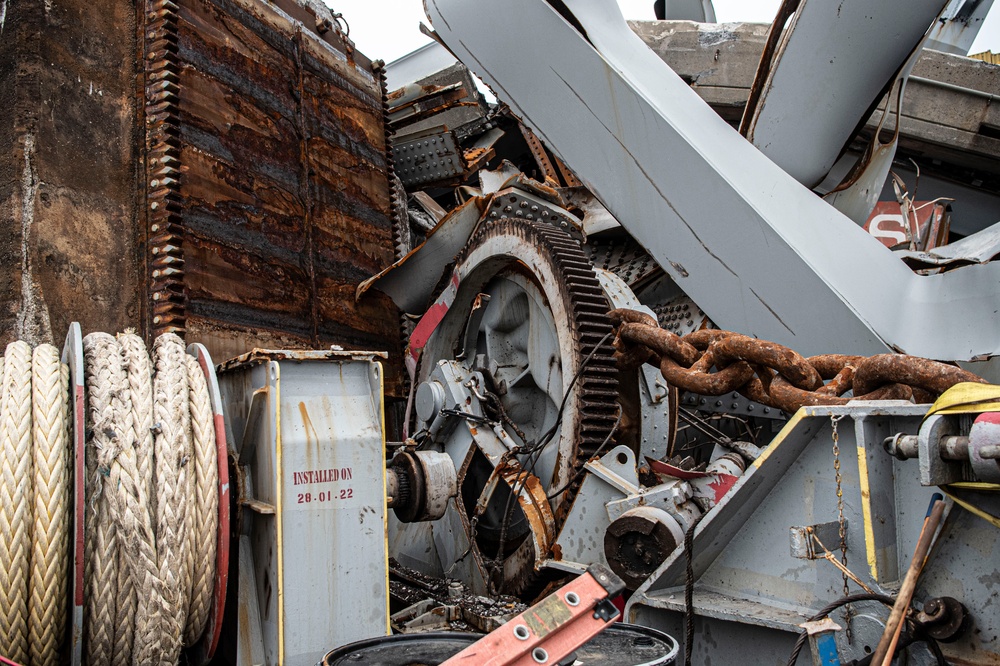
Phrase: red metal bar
x=72 y=355
x=551 y=629
x=204 y=650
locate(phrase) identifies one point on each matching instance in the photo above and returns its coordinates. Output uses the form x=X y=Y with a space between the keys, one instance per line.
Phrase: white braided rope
x=151 y=443
x=205 y=503
x=140 y=380
x=100 y=614
x=100 y=611
x=145 y=567
x=171 y=444
x=125 y=610
x=50 y=423
x=15 y=500
x=126 y=506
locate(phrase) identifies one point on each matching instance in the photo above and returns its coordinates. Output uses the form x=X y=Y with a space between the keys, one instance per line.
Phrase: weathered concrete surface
x=67 y=168
x=950 y=128
x=719 y=62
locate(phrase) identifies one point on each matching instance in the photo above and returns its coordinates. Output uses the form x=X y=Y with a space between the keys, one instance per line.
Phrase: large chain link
x=714 y=362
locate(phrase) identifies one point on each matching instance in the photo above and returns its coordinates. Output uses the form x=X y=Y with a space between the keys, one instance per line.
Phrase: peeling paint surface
x=33 y=323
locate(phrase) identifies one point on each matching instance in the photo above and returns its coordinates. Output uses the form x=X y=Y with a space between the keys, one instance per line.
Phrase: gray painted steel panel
x=751 y=587
x=312 y=454
x=757 y=251
x=833 y=63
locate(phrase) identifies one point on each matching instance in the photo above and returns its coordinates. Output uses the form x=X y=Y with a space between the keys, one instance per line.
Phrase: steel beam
x=760 y=253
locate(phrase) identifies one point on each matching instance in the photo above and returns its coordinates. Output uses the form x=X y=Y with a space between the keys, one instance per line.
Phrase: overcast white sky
x=388 y=29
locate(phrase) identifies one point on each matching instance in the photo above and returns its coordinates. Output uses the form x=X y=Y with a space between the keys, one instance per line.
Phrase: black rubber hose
x=799 y=644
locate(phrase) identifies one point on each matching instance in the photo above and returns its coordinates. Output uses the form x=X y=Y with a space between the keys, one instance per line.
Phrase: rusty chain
x=714 y=362
x=841 y=523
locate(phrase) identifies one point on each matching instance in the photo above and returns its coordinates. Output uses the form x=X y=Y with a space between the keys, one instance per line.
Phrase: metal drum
x=618 y=645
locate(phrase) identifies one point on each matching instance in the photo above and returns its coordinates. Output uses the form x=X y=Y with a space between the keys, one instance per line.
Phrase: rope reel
x=33 y=503
x=151 y=468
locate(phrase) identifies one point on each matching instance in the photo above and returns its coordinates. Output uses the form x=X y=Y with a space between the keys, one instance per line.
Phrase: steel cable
x=534 y=451
x=829 y=608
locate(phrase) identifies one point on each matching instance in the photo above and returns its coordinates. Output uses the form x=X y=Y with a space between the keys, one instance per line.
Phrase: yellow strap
x=967 y=397
x=976 y=486
x=974 y=510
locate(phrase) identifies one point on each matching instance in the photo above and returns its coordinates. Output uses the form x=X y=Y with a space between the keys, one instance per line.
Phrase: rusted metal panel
x=448 y=97
x=67 y=176
x=987 y=56
x=284 y=191
x=227 y=156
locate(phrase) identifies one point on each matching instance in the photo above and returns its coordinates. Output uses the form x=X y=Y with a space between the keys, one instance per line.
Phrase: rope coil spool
x=151 y=509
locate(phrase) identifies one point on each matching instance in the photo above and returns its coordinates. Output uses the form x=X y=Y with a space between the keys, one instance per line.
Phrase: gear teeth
x=166 y=233
x=397 y=199
x=587 y=308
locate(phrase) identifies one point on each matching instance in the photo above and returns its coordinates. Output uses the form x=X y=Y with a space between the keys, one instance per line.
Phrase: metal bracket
x=429 y=157
x=803 y=546
x=934 y=470
x=552 y=628
x=513 y=202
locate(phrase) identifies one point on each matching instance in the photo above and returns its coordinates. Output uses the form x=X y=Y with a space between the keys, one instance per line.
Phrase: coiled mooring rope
x=34 y=514
x=50 y=539
x=151 y=514
x=205 y=500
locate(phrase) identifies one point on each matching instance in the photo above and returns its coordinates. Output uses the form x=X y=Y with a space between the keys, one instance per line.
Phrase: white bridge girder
x=760 y=253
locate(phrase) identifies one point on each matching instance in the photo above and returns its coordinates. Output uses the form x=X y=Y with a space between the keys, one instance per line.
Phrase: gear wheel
x=545 y=324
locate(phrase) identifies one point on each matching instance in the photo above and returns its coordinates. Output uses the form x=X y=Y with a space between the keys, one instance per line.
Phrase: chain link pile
x=713 y=362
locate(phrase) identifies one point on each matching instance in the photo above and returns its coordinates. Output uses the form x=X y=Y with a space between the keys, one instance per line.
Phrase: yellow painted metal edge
x=974 y=510
x=866 y=510
x=862 y=475
x=385 y=508
x=274 y=367
x=776 y=442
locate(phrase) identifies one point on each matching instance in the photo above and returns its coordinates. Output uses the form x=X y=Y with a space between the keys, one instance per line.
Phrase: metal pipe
x=955 y=88
x=887 y=644
x=903 y=447
x=952 y=447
